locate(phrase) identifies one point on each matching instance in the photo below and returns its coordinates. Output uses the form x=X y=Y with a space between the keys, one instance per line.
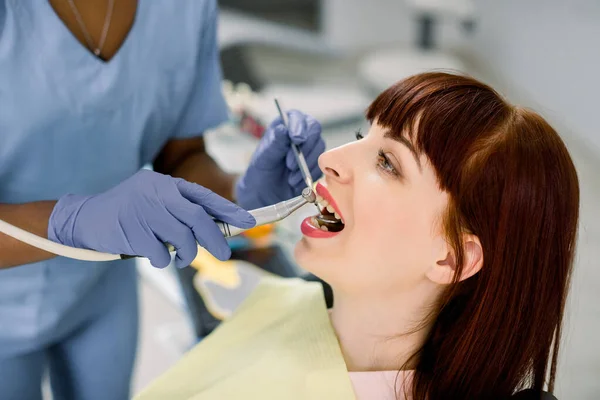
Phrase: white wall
x=359 y=24
x=547 y=52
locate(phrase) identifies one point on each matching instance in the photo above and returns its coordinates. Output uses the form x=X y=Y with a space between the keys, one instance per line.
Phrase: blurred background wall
x=331 y=57
x=548 y=53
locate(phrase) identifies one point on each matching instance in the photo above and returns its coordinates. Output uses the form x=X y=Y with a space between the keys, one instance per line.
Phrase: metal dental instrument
x=299 y=156
x=263 y=216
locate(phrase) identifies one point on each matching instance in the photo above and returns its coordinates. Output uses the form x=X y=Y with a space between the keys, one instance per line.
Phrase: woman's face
x=389 y=200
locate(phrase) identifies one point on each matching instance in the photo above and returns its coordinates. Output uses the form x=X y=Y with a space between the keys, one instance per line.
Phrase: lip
x=312 y=231
x=324 y=193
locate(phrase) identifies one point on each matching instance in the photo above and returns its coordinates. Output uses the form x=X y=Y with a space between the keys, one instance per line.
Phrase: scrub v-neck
x=76 y=47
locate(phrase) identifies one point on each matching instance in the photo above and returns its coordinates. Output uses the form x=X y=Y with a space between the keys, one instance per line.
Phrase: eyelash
x=383 y=162
x=385 y=165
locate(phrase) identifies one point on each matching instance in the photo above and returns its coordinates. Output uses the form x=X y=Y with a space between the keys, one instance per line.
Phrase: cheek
x=397 y=230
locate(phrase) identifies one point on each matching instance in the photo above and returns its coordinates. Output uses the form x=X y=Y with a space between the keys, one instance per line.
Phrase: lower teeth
x=327 y=224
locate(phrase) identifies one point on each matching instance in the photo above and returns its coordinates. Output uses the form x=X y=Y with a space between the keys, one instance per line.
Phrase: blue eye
x=385 y=165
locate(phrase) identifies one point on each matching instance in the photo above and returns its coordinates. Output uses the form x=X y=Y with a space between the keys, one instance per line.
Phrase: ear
x=444 y=268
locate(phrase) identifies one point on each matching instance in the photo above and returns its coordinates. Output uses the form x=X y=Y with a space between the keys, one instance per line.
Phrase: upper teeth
x=324 y=204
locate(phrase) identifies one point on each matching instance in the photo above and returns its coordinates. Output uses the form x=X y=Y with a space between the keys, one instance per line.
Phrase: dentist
x=90 y=92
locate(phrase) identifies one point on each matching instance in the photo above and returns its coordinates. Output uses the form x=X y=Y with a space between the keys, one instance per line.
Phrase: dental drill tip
x=309 y=195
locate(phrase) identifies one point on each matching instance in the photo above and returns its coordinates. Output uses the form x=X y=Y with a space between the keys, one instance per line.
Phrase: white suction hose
x=53 y=247
x=263 y=216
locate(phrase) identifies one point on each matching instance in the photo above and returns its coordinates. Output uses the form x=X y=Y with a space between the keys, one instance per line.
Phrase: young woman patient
x=447 y=236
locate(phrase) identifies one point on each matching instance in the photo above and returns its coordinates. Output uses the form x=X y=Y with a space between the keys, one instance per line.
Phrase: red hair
x=512 y=183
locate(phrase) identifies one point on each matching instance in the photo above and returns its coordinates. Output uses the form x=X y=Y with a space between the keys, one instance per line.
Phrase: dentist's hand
x=274 y=174
x=142 y=213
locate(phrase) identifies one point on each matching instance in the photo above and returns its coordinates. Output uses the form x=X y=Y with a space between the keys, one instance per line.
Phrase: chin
x=312 y=260
x=302 y=254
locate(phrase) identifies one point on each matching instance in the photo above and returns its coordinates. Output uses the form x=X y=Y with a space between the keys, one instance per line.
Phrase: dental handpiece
x=263 y=216
x=271 y=214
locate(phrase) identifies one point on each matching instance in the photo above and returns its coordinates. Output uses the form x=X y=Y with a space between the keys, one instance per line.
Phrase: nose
x=333 y=166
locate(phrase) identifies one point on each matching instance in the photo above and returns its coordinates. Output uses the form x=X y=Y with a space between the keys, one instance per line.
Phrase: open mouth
x=329 y=222
x=329 y=219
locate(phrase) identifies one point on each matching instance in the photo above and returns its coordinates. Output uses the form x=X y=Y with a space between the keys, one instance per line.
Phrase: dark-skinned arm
x=185 y=158
x=188 y=159
x=32 y=217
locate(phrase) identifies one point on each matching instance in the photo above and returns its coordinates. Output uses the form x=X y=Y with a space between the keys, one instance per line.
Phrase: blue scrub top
x=71 y=123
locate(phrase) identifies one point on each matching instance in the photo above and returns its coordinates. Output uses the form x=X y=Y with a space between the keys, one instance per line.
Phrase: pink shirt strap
x=381 y=385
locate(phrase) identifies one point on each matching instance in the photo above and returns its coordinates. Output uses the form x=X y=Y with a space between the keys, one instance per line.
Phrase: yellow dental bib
x=279 y=344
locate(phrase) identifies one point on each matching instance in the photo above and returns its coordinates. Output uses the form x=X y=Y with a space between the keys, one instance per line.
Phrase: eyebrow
x=401 y=139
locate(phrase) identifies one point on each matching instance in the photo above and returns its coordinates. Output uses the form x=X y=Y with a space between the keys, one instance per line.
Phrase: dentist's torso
x=71 y=123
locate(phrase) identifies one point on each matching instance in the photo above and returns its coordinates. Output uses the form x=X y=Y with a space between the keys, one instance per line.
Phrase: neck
x=380 y=333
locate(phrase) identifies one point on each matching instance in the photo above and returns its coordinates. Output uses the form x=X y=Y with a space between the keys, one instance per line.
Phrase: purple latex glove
x=142 y=213
x=274 y=174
